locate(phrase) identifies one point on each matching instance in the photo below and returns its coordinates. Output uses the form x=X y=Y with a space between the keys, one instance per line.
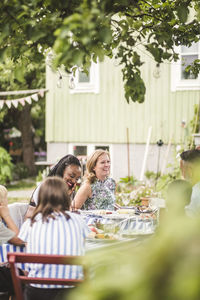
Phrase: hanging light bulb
x=157 y=71
x=59 y=82
x=71 y=83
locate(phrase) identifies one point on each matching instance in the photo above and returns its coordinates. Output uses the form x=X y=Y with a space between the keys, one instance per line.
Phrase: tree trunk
x=25 y=126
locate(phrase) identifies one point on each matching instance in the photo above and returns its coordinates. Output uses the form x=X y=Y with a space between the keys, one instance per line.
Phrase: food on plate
x=92 y=235
x=100 y=236
x=94 y=229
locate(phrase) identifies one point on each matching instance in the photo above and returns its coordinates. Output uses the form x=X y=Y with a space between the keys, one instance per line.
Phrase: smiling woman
x=68 y=168
x=98 y=190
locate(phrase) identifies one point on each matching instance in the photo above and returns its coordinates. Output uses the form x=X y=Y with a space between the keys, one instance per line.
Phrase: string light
x=157 y=71
x=59 y=82
x=71 y=83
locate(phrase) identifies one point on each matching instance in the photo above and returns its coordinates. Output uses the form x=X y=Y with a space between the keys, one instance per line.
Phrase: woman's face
x=102 y=168
x=71 y=175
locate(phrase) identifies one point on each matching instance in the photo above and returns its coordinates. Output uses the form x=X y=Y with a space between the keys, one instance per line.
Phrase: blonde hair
x=3 y=195
x=90 y=175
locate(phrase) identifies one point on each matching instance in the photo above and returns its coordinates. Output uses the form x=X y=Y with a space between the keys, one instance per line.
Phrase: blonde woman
x=98 y=189
x=9 y=232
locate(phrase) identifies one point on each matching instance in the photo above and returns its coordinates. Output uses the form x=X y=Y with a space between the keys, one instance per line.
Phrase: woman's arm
x=16 y=241
x=82 y=195
x=5 y=214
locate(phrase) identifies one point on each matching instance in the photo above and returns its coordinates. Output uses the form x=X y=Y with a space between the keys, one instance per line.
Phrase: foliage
x=165 y=266
x=83 y=30
x=42 y=174
x=132 y=197
x=20 y=171
x=126 y=184
x=5 y=166
x=150 y=175
x=31 y=76
x=128 y=180
x=121 y=29
x=173 y=173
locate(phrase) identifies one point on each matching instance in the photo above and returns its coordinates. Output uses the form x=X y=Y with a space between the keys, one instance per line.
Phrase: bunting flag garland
x=8 y=103
x=35 y=97
x=28 y=100
x=22 y=101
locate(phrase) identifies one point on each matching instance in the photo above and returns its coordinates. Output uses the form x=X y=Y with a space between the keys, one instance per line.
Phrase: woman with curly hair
x=98 y=189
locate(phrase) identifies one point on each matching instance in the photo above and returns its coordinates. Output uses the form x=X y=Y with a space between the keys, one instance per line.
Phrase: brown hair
x=53 y=197
x=90 y=175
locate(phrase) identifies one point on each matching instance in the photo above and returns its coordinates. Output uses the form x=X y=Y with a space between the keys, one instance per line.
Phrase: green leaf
x=182 y=12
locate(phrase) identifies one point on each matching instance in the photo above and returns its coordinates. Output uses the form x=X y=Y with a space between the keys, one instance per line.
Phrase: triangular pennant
x=14 y=103
x=41 y=93
x=22 y=101
x=1 y=104
x=34 y=97
x=8 y=103
x=28 y=99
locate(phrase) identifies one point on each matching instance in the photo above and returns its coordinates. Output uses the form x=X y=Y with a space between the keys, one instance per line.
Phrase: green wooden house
x=88 y=112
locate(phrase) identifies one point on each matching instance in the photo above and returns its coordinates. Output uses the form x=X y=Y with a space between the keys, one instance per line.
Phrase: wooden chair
x=15 y=257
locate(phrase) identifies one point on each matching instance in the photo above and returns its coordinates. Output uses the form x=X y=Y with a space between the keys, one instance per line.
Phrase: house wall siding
x=105 y=117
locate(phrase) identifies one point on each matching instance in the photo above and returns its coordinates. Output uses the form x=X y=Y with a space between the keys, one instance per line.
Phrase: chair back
x=14 y=258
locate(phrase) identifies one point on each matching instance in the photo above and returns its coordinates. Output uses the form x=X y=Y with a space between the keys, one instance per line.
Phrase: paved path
x=20 y=194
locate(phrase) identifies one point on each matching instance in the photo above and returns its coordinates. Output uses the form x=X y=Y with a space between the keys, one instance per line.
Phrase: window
x=86 y=83
x=80 y=150
x=102 y=147
x=181 y=80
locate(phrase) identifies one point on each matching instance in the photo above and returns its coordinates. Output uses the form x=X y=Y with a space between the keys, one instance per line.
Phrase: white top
x=17 y=212
x=57 y=236
x=5 y=233
x=34 y=197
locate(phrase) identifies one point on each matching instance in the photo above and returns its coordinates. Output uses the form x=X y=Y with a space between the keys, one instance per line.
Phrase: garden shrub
x=6 y=166
x=20 y=171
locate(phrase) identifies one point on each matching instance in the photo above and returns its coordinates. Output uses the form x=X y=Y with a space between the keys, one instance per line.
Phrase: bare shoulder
x=85 y=188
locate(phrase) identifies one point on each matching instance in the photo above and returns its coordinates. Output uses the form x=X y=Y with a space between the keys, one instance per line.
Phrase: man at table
x=190 y=167
x=9 y=231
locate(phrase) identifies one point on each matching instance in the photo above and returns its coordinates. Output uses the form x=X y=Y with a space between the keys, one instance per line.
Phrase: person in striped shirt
x=53 y=229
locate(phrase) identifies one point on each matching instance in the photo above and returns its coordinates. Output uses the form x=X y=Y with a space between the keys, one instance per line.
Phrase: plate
x=94 y=240
x=131 y=235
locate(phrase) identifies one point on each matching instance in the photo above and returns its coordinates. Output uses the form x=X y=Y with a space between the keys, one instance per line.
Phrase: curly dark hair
x=64 y=162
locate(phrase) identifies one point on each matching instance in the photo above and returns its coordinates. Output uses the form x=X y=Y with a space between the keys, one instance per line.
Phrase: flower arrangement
x=135 y=196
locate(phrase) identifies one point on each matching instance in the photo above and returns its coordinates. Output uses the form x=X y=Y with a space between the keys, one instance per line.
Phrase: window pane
x=185 y=61
x=192 y=49
x=82 y=77
x=80 y=150
x=102 y=147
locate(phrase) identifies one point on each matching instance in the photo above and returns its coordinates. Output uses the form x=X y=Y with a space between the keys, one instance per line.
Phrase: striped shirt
x=57 y=236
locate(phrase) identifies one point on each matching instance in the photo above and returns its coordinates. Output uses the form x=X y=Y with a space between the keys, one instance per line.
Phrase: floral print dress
x=103 y=195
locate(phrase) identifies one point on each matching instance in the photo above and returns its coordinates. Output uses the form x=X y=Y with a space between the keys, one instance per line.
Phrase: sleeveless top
x=103 y=195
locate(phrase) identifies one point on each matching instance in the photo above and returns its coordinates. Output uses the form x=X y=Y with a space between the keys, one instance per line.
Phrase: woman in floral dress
x=98 y=189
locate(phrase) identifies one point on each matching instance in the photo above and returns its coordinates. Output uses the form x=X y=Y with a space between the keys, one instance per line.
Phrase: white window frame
x=178 y=84
x=87 y=87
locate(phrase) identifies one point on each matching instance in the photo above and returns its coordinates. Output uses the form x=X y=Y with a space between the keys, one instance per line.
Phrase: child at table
x=53 y=229
x=9 y=233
